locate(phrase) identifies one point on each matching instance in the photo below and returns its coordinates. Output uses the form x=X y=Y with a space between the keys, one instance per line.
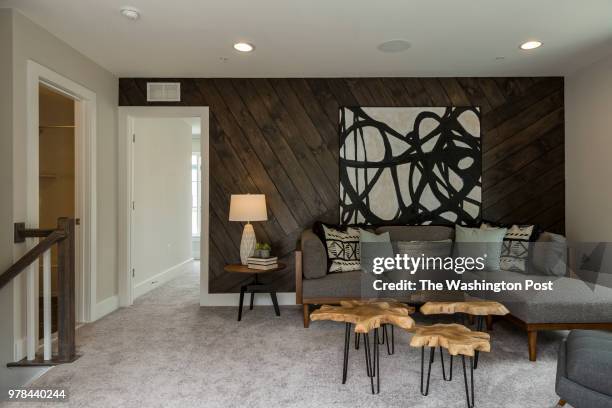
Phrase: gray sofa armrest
x=314 y=256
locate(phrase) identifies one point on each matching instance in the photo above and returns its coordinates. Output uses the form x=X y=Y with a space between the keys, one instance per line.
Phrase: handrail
x=64 y=237
x=31 y=256
x=21 y=232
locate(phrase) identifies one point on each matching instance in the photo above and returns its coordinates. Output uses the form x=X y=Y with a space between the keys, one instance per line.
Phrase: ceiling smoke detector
x=130 y=13
x=394 y=46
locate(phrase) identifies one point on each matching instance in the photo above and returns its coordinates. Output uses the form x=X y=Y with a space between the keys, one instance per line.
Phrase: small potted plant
x=262 y=250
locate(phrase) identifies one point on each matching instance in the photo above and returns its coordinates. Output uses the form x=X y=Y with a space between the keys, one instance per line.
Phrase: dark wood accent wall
x=280 y=137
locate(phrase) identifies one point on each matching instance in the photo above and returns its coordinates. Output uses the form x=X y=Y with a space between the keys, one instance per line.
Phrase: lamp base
x=247 y=243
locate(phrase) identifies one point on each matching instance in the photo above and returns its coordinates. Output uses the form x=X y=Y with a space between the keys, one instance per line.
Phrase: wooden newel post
x=66 y=315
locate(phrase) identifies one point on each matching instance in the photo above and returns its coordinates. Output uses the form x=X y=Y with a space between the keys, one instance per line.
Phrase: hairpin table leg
x=376 y=367
x=425 y=389
x=469 y=396
x=450 y=374
x=366 y=348
x=347 y=340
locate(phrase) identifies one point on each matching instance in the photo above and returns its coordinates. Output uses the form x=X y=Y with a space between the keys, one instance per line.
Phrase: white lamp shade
x=248 y=207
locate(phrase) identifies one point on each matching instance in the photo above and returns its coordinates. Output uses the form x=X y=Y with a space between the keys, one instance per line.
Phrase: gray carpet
x=166 y=351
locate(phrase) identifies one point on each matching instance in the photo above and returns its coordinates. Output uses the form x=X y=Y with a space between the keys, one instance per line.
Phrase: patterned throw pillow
x=342 y=249
x=515 y=248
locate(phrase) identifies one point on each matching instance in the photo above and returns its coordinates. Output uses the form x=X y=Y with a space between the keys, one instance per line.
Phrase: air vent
x=163 y=91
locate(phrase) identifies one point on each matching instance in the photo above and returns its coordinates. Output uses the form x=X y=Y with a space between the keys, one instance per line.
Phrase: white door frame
x=127 y=114
x=85 y=180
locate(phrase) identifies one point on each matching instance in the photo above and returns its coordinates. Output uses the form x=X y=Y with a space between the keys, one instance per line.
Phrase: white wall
x=33 y=42
x=9 y=378
x=588 y=153
x=22 y=40
x=162 y=191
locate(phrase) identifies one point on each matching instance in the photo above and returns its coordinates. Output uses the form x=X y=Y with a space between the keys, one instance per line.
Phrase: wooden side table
x=481 y=309
x=253 y=285
x=366 y=316
x=384 y=337
x=457 y=340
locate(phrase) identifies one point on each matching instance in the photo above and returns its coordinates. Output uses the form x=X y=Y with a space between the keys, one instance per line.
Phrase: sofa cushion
x=549 y=255
x=335 y=285
x=427 y=249
x=589 y=359
x=354 y=284
x=418 y=232
x=477 y=242
x=571 y=301
x=314 y=257
x=432 y=249
x=372 y=245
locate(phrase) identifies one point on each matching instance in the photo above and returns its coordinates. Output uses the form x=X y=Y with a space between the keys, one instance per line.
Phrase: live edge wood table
x=253 y=285
x=478 y=308
x=458 y=340
x=366 y=316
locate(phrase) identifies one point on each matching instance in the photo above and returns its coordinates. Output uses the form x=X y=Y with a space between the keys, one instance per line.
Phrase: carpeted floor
x=166 y=351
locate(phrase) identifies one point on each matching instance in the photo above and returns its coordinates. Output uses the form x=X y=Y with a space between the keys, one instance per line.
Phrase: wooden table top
x=366 y=316
x=457 y=339
x=239 y=268
x=474 y=308
x=391 y=302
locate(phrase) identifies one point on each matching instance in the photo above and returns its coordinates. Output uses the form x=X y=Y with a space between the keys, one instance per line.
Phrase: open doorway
x=162 y=201
x=59 y=180
x=162 y=153
x=56 y=167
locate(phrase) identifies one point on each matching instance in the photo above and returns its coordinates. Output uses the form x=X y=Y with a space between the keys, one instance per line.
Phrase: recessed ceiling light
x=394 y=46
x=130 y=13
x=530 y=45
x=244 y=47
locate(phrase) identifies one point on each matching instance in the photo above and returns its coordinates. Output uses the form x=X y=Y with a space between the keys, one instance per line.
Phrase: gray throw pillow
x=550 y=255
x=372 y=246
x=476 y=242
x=314 y=256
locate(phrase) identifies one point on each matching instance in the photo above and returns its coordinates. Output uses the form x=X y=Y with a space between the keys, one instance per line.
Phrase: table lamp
x=248 y=207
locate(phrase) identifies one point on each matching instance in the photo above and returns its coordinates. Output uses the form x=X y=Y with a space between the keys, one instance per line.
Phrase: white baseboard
x=232 y=299
x=161 y=278
x=108 y=305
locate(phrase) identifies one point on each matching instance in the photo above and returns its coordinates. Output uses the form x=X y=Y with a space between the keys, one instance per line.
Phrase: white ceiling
x=330 y=38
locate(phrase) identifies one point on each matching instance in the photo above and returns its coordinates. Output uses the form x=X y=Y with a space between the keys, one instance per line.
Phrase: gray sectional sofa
x=584 y=369
x=572 y=305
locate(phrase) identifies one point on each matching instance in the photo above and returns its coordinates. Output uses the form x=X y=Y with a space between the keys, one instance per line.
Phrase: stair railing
x=63 y=237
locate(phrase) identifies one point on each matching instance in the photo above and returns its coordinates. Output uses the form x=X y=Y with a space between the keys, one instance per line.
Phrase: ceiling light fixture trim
x=130 y=13
x=531 y=45
x=244 y=47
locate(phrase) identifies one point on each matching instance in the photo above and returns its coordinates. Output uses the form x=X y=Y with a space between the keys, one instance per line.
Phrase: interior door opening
x=57 y=175
x=166 y=200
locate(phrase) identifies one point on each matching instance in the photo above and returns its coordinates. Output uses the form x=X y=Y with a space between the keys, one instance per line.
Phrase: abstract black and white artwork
x=410 y=166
